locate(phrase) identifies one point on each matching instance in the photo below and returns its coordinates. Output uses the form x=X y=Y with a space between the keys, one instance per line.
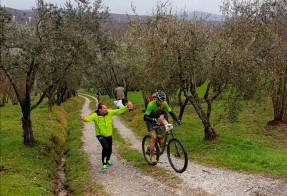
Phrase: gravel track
x=123 y=179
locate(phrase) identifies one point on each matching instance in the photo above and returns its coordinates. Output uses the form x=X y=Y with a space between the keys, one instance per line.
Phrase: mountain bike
x=176 y=152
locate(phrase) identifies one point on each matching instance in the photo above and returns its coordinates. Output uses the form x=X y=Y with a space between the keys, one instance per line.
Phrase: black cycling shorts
x=150 y=125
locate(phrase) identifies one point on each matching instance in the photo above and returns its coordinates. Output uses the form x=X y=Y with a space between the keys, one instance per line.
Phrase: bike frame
x=167 y=133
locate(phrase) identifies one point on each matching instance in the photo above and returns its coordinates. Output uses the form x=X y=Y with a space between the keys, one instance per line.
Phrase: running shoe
x=110 y=163
x=104 y=168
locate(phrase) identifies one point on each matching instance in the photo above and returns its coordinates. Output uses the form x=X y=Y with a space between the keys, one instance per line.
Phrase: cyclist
x=102 y=118
x=155 y=115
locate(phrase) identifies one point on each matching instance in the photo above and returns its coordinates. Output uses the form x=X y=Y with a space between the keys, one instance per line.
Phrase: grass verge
x=33 y=170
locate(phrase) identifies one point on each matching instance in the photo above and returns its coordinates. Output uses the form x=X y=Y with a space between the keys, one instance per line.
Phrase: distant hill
x=205 y=16
x=116 y=23
x=23 y=15
x=20 y=15
x=190 y=15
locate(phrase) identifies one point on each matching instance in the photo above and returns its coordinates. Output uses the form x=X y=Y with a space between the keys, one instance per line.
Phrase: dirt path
x=122 y=179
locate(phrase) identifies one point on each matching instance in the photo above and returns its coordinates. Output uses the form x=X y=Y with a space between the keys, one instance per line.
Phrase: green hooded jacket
x=103 y=123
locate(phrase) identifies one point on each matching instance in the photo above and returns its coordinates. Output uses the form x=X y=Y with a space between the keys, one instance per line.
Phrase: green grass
x=30 y=171
x=33 y=170
x=243 y=145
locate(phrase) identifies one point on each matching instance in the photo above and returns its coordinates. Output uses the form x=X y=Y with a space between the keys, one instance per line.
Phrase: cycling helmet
x=160 y=95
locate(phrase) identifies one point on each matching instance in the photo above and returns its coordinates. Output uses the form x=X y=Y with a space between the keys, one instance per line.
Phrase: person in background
x=120 y=94
x=152 y=96
x=102 y=118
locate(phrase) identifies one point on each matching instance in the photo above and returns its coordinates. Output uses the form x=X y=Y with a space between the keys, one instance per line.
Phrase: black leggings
x=106 y=143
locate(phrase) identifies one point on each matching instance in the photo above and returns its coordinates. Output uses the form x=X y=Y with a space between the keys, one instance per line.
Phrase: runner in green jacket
x=104 y=128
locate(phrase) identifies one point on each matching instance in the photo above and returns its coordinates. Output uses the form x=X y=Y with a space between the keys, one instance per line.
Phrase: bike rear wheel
x=146 y=150
x=177 y=155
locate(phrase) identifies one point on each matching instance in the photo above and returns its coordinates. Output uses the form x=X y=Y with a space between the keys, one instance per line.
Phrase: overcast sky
x=124 y=6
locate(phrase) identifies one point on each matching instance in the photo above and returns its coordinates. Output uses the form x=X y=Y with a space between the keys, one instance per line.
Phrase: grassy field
x=247 y=145
x=33 y=171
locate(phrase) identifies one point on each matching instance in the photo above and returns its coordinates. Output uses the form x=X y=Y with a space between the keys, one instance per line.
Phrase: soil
x=124 y=179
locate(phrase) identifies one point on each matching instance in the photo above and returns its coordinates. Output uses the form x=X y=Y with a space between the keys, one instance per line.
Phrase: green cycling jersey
x=154 y=110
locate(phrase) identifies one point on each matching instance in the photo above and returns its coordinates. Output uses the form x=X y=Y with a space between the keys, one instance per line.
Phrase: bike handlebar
x=168 y=126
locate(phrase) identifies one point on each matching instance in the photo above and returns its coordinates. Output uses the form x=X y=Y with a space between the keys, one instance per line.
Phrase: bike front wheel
x=146 y=150
x=177 y=155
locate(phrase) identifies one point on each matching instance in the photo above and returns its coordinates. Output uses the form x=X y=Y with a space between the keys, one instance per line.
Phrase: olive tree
x=175 y=56
x=50 y=52
x=101 y=68
x=256 y=29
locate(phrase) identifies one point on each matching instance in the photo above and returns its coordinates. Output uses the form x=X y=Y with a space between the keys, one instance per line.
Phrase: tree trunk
x=62 y=94
x=182 y=108
x=51 y=102
x=279 y=100
x=181 y=105
x=2 y=99
x=27 y=124
x=126 y=86
x=280 y=112
x=209 y=132
x=108 y=88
